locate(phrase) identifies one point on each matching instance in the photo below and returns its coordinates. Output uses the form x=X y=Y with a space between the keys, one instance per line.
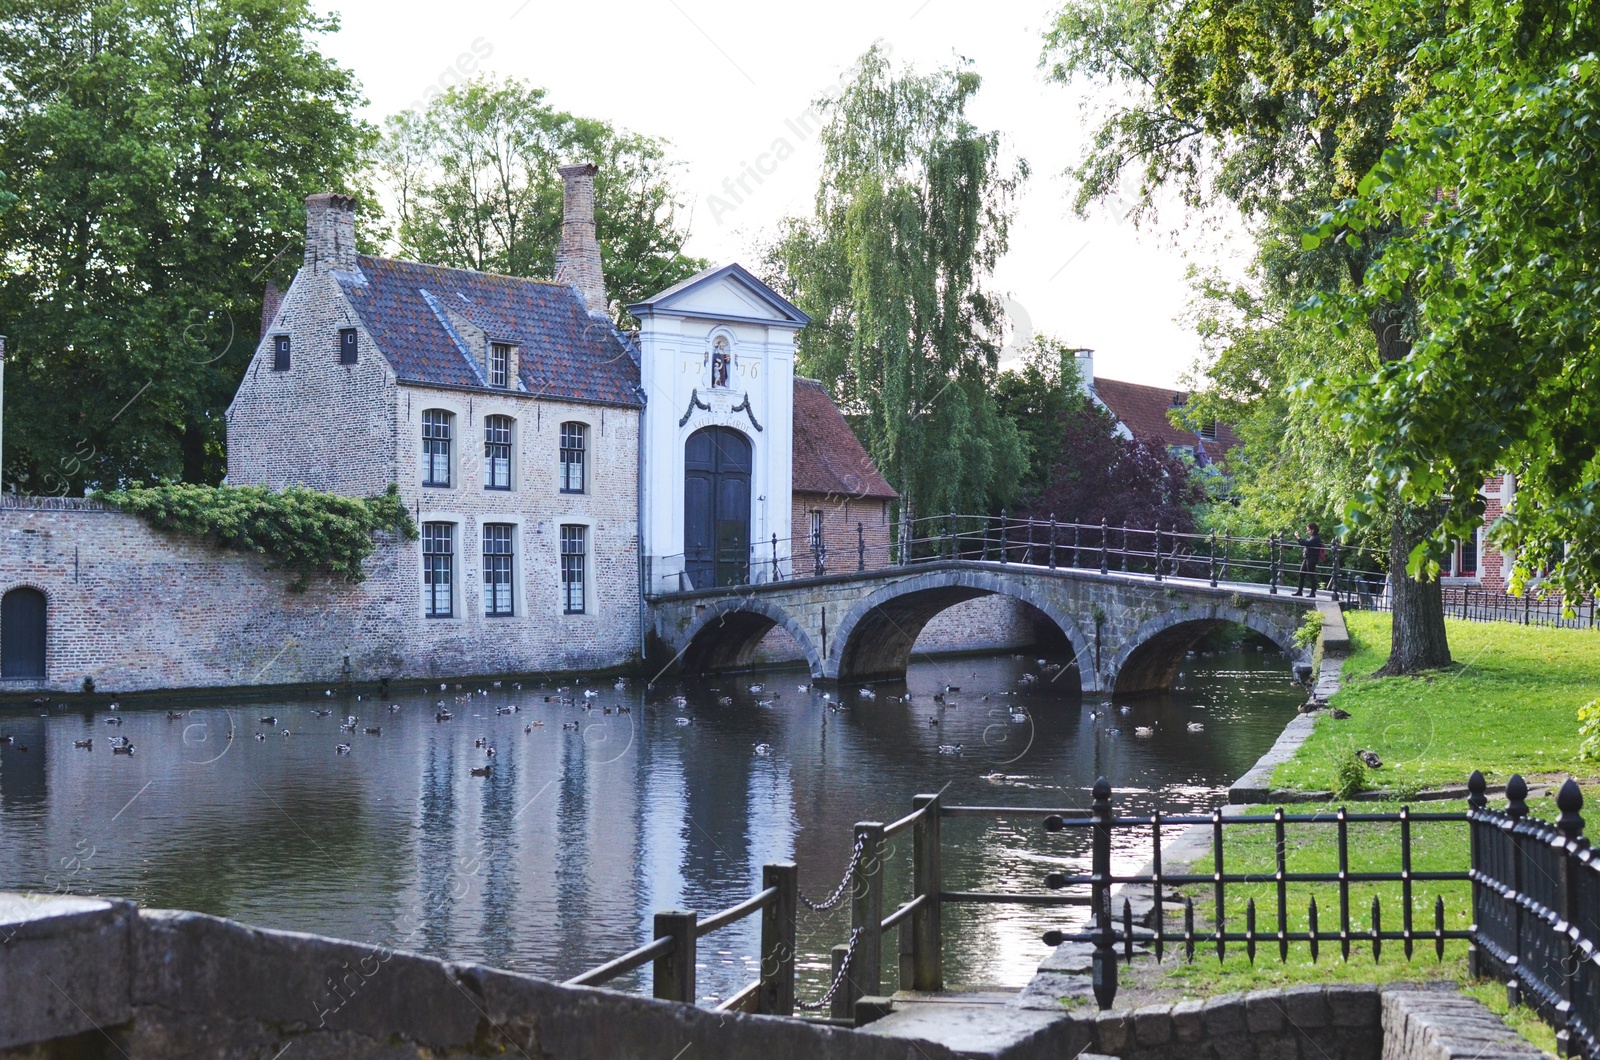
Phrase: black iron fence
x=1536 y=907
x=1535 y=902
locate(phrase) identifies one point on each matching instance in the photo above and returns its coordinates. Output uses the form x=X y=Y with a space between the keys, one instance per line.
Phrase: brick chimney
x=578 y=259
x=330 y=232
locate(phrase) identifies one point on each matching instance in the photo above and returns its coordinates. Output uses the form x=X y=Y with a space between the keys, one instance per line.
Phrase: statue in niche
x=721 y=360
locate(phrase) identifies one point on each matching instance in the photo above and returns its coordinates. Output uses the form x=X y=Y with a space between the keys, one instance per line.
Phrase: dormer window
x=347 y=346
x=1209 y=431
x=500 y=364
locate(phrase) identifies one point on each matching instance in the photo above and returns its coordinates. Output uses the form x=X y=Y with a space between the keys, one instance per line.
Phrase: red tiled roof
x=1143 y=410
x=827 y=456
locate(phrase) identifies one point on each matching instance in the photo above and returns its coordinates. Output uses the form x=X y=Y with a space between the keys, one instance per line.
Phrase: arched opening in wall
x=739 y=640
x=1154 y=665
x=23 y=636
x=951 y=619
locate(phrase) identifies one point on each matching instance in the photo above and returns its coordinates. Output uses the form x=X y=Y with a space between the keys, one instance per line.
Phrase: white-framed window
x=500 y=364
x=438 y=569
x=574 y=540
x=497 y=436
x=1462 y=562
x=437 y=426
x=574 y=452
x=499 y=569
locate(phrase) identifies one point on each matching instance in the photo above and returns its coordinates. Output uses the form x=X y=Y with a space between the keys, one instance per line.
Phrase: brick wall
x=321 y=424
x=1494 y=567
x=840 y=514
x=140 y=609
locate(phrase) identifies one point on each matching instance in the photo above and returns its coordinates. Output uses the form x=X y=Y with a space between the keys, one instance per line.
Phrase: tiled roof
x=827 y=456
x=565 y=352
x=1143 y=410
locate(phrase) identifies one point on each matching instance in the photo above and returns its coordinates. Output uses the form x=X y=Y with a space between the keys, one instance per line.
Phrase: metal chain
x=844 y=884
x=838 y=980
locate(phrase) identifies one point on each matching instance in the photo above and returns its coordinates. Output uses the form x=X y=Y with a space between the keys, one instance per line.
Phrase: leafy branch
x=299 y=529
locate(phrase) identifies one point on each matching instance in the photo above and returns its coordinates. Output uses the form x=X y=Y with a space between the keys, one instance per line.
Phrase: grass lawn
x=1508 y=705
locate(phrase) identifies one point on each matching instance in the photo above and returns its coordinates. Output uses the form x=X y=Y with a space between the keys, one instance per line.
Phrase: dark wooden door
x=717 y=462
x=22 y=633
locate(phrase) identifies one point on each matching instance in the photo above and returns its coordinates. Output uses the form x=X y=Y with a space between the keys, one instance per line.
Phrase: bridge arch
x=1150 y=657
x=724 y=636
x=877 y=634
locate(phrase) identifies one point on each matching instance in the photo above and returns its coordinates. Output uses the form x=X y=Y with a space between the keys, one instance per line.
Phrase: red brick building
x=842 y=505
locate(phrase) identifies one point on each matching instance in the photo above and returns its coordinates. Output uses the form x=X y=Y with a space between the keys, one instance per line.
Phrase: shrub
x=1309 y=630
x=299 y=529
x=1351 y=777
x=1589 y=729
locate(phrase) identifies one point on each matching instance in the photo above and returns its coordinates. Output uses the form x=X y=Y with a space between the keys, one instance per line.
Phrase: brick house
x=842 y=505
x=1143 y=412
x=556 y=467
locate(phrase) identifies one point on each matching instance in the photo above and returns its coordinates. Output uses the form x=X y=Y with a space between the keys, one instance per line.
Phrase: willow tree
x=912 y=212
x=1267 y=105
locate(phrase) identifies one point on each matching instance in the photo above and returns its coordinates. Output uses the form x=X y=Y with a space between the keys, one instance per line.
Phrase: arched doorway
x=716 y=507
x=22 y=634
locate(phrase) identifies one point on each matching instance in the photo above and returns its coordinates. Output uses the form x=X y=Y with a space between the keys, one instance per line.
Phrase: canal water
x=592 y=819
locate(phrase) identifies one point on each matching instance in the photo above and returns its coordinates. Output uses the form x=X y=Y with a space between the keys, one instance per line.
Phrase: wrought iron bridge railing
x=1535 y=902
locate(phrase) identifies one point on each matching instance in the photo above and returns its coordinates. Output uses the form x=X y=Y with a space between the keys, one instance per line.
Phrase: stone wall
x=82 y=977
x=139 y=609
x=85 y=977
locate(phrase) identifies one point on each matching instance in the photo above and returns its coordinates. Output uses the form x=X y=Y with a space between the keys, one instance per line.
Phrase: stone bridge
x=1128 y=632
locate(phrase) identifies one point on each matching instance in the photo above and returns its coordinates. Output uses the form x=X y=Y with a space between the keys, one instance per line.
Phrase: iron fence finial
x=1570 y=801
x=1516 y=797
x=1477 y=788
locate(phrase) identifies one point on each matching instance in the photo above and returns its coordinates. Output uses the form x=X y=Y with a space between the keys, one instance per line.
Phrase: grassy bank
x=1507 y=705
x=1374 y=847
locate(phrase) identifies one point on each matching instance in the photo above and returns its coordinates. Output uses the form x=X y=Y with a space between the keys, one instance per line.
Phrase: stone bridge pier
x=1129 y=633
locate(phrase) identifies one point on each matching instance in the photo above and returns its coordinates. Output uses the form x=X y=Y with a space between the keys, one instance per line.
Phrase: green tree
x=1294 y=463
x=913 y=211
x=475 y=181
x=1492 y=188
x=160 y=152
x=1255 y=104
x=1037 y=396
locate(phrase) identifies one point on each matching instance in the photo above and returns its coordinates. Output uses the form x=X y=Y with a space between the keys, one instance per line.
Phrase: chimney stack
x=578 y=259
x=330 y=232
x=1085 y=359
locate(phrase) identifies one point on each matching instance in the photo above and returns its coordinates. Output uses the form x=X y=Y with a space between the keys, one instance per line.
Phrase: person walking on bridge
x=1309 y=558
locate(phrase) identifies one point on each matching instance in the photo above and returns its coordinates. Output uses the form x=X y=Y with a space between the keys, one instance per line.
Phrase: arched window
x=497 y=452
x=437 y=425
x=22 y=634
x=574 y=442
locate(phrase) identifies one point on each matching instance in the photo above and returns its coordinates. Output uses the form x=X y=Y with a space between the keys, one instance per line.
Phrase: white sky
x=723 y=80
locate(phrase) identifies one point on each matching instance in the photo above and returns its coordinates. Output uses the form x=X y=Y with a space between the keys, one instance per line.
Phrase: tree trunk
x=1417 y=641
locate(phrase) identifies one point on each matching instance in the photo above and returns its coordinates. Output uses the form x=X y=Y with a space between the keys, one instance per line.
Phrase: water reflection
x=560 y=856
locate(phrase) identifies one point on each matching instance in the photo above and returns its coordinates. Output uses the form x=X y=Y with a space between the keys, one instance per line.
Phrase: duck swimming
x=87 y=745
x=125 y=749
x=481 y=771
x=342 y=749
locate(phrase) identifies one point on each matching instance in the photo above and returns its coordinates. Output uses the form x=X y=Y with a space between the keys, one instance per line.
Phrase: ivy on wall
x=299 y=529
